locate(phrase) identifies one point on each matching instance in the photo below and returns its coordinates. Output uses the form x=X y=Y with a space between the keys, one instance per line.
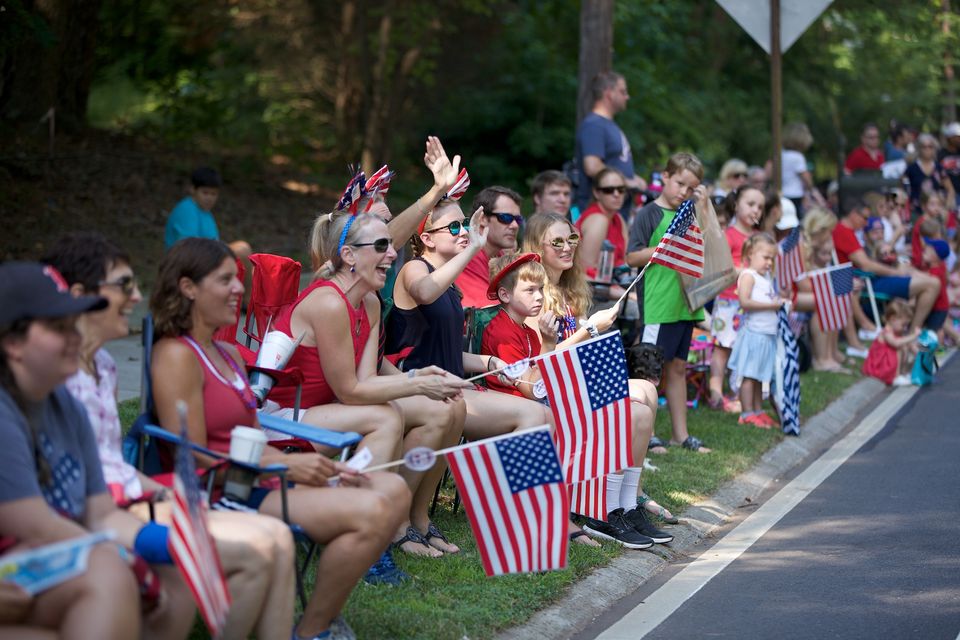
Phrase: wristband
x=591 y=329
x=412 y=373
x=151 y=543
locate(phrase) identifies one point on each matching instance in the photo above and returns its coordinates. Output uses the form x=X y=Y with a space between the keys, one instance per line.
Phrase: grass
x=451 y=598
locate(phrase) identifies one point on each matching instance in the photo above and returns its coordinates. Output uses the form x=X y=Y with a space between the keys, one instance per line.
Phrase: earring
x=352 y=269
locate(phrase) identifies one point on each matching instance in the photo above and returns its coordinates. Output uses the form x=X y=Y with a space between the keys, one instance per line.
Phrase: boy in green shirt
x=667 y=322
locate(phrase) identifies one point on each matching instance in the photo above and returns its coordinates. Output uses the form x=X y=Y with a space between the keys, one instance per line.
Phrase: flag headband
x=519 y=260
x=346 y=230
x=456 y=192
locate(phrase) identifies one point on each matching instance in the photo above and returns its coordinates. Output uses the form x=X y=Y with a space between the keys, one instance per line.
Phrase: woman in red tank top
x=339 y=318
x=197 y=291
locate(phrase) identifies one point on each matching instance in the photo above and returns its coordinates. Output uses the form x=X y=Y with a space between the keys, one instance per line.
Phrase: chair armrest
x=163 y=434
x=318 y=435
x=858 y=273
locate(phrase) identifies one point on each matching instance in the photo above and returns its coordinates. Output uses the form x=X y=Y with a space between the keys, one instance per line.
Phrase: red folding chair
x=275 y=284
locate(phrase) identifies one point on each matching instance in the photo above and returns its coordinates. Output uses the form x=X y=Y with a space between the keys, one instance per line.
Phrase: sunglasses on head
x=454 y=227
x=380 y=245
x=126 y=284
x=611 y=190
x=573 y=240
x=507 y=218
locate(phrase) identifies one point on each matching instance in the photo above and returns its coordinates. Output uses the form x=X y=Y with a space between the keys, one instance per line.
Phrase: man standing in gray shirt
x=601 y=143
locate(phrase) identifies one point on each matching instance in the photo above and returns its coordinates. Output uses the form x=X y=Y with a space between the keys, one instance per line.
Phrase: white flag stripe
x=480 y=515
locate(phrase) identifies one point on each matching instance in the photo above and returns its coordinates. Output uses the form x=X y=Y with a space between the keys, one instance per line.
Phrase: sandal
x=652 y=507
x=693 y=444
x=414 y=536
x=655 y=443
x=433 y=531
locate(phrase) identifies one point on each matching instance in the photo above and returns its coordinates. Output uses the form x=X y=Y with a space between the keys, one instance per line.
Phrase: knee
x=395 y=495
x=388 y=422
x=642 y=419
x=108 y=578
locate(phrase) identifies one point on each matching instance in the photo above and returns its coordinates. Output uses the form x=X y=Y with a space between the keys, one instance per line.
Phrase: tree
x=596 y=49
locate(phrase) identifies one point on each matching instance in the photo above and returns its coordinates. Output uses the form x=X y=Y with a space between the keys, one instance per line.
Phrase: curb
x=596 y=593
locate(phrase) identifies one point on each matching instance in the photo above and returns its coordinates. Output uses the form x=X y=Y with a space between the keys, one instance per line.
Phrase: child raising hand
x=754 y=351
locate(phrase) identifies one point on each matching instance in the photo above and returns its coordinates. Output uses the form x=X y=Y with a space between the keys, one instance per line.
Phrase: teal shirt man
x=188 y=220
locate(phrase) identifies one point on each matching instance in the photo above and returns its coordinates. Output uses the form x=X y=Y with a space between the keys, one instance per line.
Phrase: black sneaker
x=641 y=525
x=619 y=530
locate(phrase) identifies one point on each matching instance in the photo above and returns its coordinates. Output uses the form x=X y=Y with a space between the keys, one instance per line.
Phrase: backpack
x=926 y=365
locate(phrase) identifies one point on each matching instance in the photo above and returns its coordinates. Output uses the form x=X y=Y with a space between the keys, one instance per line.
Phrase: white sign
x=754 y=17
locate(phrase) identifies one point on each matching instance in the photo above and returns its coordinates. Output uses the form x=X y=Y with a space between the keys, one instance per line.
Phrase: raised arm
x=425 y=287
x=593 y=233
x=403 y=226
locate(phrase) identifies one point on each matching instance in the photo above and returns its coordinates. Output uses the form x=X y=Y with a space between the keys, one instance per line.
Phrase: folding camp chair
x=872 y=295
x=274 y=285
x=311 y=434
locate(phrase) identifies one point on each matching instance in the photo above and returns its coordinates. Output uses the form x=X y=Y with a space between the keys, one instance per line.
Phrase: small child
x=892 y=352
x=745 y=206
x=754 y=352
x=516 y=281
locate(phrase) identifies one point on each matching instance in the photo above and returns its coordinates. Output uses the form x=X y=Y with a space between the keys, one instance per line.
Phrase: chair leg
x=310 y=548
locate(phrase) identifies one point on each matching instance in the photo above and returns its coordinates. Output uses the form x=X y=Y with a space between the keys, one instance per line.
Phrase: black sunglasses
x=126 y=284
x=611 y=190
x=507 y=218
x=380 y=245
x=454 y=227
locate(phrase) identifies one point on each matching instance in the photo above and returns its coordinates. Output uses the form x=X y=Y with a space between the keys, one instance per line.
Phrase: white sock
x=614 y=482
x=630 y=488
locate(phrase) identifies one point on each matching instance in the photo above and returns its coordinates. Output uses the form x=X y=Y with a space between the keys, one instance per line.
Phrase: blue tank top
x=435 y=331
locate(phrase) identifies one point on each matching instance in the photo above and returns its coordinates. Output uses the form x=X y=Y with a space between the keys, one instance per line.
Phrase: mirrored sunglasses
x=573 y=240
x=454 y=227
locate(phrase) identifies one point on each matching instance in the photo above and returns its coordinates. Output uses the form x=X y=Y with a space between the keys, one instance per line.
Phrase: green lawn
x=450 y=598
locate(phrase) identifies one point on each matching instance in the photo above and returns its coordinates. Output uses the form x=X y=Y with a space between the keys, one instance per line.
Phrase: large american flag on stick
x=832 y=293
x=192 y=547
x=590 y=400
x=787 y=375
x=789 y=264
x=681 y=247
x=513 y=491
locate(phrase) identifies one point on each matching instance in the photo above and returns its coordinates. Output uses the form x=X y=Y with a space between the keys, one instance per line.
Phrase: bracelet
x=490 y=362
x=412 y=373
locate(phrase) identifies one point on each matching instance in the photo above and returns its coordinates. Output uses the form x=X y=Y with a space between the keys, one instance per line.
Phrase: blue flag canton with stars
x=791 y=241
x=604 y=370
x=682 y=221
x=529 y=460
x=842 y=280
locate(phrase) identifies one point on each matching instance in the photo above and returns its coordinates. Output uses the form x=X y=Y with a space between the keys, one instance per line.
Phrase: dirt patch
x=125 y=187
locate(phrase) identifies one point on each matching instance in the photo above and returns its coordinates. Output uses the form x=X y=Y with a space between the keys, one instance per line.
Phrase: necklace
x=239 y=382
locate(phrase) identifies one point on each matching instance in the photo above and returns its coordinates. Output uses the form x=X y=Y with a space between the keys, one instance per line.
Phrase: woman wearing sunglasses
x=602 y=221
x=339 y=317
x=566 y=301
x=256 y=552
x=429 y=317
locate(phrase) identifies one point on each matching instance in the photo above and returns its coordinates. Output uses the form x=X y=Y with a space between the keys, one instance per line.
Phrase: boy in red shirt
x=516 y=282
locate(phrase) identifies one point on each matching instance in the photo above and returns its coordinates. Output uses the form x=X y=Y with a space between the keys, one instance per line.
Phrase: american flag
x=589 y=498
x=681 y=247
x=789 y=261
x=459 y=187
x=514 y=495
x=590 y=400
x=832 y=293
x=192 y=547
x=787 y=375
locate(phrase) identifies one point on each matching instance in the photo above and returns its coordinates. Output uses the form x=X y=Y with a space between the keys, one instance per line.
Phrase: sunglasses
x=611 y=190
x=507 y=218
x=738 y=175
x=573 y=240
x=380 y=245
x=126 y=284
x=454 y=227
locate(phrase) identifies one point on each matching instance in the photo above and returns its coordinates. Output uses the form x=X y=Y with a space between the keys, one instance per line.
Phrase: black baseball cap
x=34 y=290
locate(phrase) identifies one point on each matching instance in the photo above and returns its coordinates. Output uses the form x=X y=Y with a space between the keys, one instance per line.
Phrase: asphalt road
x=872 y=552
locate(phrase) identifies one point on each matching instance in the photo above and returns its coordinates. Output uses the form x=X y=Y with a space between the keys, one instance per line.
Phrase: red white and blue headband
x=456 y=192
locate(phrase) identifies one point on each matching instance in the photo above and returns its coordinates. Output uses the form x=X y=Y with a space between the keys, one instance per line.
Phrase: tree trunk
x=43 y=73
x=596 y=49
x=372 y=149
x=950 y=97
